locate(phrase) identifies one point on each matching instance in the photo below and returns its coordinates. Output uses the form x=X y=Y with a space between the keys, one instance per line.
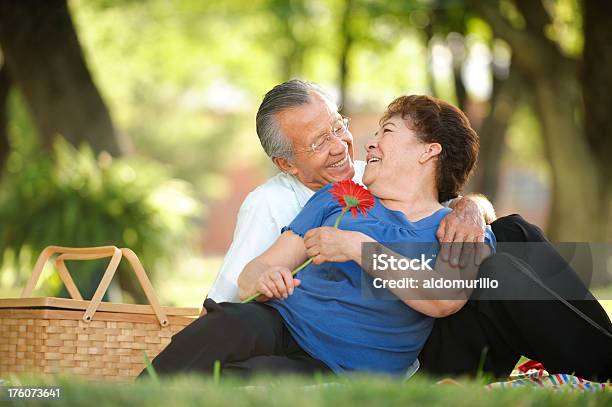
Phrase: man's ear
x=285 y=165
x=431 y=151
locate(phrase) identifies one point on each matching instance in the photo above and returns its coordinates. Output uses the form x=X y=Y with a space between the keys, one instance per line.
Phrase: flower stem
x=303 y=265
x=293 y=273
x=340 y=217
x=300 y=268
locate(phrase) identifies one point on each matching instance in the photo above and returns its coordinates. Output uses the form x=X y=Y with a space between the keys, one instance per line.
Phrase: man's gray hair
x=289 y=94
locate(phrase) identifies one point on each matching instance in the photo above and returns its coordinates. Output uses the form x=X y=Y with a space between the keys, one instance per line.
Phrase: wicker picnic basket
x=100 y=340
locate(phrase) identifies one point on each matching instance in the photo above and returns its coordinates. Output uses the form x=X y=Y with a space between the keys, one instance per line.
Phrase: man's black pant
x=566 y=336
x=233 y=333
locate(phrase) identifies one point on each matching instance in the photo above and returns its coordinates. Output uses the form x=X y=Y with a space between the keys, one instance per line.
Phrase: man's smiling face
x=307 y=126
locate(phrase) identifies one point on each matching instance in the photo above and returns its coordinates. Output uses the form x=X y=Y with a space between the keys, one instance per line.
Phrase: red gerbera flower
x=353 y=196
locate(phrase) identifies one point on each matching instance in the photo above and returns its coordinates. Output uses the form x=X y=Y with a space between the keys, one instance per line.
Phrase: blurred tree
x=596 y=91
x=373 y=31
x=76 y=199
x=43 y=56
x=191 y=76
x=290 y=16
x=5 y=86
x=504 y=96
x=449 y=23
x=346 y=41
x=581 y=189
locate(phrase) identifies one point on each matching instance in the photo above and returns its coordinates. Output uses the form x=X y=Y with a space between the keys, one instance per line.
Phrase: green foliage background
x=183 y=80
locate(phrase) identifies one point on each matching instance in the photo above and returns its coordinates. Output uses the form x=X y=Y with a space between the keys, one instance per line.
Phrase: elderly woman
x=422 y=154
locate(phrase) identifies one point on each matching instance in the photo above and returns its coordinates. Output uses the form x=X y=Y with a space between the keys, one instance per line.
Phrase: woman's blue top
x=333 y=319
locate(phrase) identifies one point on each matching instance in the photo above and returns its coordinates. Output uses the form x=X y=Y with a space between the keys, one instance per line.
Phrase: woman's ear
x=285 y=165
x=431 y=150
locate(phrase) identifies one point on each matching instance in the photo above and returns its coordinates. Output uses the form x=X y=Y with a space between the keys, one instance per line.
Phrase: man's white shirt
x=264 y=212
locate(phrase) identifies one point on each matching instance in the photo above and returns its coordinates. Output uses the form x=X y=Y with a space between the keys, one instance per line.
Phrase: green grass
x=298 y=392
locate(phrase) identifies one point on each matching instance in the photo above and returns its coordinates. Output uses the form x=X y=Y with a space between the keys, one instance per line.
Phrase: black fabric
x=567 y=336
x=297 y=363
x=230 y=333
x=551 y=268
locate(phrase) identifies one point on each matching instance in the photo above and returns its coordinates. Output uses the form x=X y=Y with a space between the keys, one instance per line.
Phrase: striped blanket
x=558 y=382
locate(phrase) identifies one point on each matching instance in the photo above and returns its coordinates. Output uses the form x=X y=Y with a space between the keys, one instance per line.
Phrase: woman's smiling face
x=394 y=155
x=423 y=144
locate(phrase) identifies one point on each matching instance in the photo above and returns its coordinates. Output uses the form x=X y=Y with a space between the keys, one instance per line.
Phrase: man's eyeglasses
x=323 y=142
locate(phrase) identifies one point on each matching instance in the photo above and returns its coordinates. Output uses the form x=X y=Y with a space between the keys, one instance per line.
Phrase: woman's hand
x=275 y=283
x=335 y=245
x=266 y=270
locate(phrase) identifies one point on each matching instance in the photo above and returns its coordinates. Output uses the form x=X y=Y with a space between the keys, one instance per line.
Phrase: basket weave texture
x=43 y=335
x=42 y=341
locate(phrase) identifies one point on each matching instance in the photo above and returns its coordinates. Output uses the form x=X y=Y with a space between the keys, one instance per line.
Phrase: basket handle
x=90 y=253
x=43 y=258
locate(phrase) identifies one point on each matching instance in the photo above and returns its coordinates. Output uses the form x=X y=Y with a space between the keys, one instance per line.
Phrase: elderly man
x=301 y=130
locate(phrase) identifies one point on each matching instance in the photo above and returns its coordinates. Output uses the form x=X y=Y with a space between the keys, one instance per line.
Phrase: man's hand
x=465 y=224
x=276 y=282
x=335 y=245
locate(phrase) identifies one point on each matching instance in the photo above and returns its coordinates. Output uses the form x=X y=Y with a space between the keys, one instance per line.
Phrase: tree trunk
x=293 y=62
x=576 y=212
x=431 y=78
x=5 y=86
x=596 y=86
x=45 y=61
x=493 y=134
x=460 y=91
x=288 y=14
x=576 y=207
x=347 y=42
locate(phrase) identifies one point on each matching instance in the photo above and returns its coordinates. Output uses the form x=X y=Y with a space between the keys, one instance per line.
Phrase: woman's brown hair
x=436 y=121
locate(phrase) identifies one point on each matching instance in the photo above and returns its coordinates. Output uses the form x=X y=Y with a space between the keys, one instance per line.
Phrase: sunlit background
x=182 y=81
